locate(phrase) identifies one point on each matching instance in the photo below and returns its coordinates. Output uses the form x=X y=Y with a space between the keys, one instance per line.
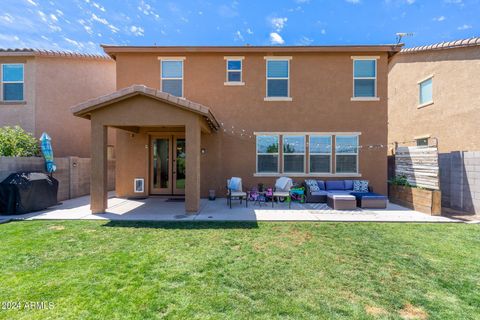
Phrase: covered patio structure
x=148 y=121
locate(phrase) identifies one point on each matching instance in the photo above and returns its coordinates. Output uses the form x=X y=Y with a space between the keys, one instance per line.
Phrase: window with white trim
x=425 y=94
x=12 y=82
x=278 y=78
x=267 y=153
x=364 y=78
x=172 y=76
x=293 y=153
x=234 y=70
x=320 y=153
x=346 y=154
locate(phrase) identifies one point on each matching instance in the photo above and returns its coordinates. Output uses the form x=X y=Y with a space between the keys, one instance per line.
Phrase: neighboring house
x=253 y=112
x=37 y=88
x=433 y=96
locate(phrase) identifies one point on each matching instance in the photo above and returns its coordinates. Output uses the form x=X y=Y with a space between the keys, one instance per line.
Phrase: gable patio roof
x=85 y=108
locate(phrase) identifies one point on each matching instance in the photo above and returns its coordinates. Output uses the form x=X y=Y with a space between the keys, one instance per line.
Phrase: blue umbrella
x=46 y=145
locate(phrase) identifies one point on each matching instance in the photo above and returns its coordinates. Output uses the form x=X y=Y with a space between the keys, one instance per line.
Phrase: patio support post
x=192 y=163
x=98 y=178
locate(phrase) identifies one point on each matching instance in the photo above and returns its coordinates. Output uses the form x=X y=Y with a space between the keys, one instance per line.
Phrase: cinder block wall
x=73 y=173
x=460 y=180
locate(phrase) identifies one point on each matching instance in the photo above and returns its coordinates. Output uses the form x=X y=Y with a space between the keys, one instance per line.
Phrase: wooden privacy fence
x=419 y=165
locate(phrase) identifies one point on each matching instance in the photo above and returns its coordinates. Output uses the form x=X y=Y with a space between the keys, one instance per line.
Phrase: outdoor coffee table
x=370 y=200
x=341 y=201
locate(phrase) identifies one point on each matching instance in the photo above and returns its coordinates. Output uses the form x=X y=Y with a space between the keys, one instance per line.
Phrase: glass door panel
x=161 y=167
x=179 y=160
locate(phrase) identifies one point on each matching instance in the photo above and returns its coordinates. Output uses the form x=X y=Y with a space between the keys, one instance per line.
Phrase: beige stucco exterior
x=321 y=88
x=454 y=116
x=53 y=83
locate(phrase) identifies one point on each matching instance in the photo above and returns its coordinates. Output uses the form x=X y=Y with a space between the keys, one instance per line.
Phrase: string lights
x=244 y=134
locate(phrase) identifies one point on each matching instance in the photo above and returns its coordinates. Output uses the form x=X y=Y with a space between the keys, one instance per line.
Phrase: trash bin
x=24 y=192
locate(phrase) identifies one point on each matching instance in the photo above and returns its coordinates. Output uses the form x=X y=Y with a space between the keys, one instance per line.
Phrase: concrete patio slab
x=158 y=209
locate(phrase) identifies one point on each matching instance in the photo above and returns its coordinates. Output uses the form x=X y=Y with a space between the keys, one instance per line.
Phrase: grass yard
x=113 y=270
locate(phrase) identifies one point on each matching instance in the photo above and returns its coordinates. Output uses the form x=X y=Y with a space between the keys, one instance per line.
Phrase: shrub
x=401 y=181
x=16 y=142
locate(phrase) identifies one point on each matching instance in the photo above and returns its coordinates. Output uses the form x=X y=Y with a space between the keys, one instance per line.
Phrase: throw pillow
x=312 y=185
x=360 y=185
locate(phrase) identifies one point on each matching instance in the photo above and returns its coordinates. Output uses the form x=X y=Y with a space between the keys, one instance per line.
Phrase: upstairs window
x=364 y=78
x=294 y=154
x=267 y=154
x=278 y=78
x=234 y=71
x=425 y=92
x=12 y=82
x=320 y=154
x=422 y=142
x=172 y=77
x=346 y=153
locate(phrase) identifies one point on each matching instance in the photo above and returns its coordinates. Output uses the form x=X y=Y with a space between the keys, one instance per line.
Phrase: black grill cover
x=24 y=192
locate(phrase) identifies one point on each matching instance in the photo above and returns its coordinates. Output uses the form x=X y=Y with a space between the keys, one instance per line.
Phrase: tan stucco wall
x=62 y=83
x=455 y=114
x=321 y=87
x=22 y=114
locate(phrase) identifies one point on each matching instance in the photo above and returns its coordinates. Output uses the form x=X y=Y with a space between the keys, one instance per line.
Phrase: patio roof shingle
x=85 y=108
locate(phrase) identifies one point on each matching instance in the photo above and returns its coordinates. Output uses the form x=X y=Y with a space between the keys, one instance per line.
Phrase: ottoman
x=341 y=202
x=370 y=200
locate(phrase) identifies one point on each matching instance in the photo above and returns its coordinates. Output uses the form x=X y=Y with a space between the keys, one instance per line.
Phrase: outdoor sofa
x=330 y=192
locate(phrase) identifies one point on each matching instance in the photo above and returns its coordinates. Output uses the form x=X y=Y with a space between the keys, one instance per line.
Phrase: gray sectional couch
x=339 y=187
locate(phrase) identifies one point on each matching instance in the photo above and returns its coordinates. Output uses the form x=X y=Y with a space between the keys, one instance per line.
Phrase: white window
x=364 y=78
x=234 y=71
x=172 y=76
x=278 y=78
x=12 y=82
x=346 y=154
x=267 y=154
x=320 y=151
x=293 y=154
x=422 y=142
x=425 y=92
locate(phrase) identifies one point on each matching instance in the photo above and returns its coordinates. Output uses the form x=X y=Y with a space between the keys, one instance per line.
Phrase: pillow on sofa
x=312 y=185
x=348 y=184
x=335 y=185
x=360 y=185
x=321 y=184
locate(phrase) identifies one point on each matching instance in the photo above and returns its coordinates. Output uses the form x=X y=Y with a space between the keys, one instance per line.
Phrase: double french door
x=167 y=165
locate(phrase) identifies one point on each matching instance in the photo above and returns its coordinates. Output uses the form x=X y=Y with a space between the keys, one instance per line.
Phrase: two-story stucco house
x=188 y=118
x=433 y=99
x=37 y=88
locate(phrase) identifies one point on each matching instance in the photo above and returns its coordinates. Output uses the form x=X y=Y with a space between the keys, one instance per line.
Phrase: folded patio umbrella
x=46 y=145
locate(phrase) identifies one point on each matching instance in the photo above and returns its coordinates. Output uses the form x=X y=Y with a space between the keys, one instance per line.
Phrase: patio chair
x=234 y=191
x=282 y=190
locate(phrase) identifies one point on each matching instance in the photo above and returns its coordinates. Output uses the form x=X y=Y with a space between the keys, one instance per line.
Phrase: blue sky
x=81 y=25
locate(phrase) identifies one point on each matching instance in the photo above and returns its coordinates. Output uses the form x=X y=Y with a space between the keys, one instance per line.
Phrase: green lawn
x=112 y=270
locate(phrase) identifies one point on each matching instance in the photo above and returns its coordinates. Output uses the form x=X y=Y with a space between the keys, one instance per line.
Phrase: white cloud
x=465 y=27
x=410 y=1
x=249 y=31
x=439 y=19
x=33 y=3
x=353 y=1
x=99 y=7
x=104 y=21
x=6 y=18
x=275 y=38
x=305 y=41
x=278 y=23
x=147 y=9
x=323 y=31
x=53 y=17
x=137 y=31
x=302 y=1
x=238 y=36
x=454 y=1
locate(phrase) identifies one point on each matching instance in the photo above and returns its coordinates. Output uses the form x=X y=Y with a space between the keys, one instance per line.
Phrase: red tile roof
x=471 y=42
